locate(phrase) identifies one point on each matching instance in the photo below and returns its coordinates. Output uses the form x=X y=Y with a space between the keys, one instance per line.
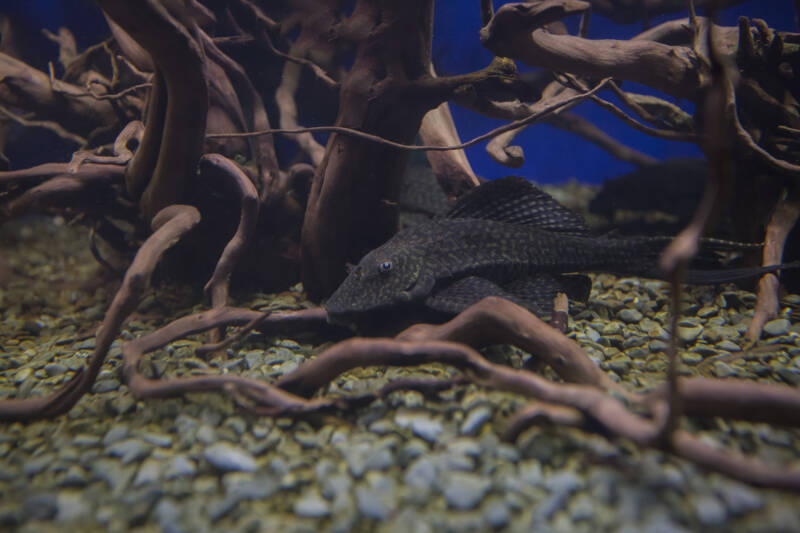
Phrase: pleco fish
x=505 y=238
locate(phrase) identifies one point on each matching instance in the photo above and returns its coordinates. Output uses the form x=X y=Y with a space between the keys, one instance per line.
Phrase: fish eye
x=385 y=267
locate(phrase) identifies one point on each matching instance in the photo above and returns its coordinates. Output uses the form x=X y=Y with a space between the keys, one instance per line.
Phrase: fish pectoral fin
x=535 y=293
x=538 y=292
x=418 y=290
x=462 y=293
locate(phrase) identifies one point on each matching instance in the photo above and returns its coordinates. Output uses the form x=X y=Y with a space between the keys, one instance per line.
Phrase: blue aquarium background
x=551 y=155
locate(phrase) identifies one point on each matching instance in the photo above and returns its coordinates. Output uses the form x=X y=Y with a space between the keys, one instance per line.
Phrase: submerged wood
x=382 y=99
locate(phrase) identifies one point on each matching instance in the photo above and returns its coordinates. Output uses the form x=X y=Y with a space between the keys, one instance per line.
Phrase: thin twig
x=116 y=96
x=671 y=135
x=673 y=406
x=316 y=69
x=240 y=334
x=55 y=127
x=547 y=109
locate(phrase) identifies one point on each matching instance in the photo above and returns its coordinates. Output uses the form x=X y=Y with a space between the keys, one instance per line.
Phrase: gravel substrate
x=407 y=463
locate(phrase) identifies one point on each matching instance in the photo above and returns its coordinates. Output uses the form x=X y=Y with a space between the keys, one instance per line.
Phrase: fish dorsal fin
x=515 y=200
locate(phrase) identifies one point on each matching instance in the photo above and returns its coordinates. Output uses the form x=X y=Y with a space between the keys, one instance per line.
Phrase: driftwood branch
x=255 y=395
x=179 y=60
x=24 y=87
x=781 y=223
x=514 y=32
x=58 y=187
x=217 y=286
x=452 y=168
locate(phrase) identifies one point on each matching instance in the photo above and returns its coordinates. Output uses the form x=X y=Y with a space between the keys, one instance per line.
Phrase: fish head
x=385 y=278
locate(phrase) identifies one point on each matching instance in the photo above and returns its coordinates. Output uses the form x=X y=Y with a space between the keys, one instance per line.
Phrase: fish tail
x=709 y=277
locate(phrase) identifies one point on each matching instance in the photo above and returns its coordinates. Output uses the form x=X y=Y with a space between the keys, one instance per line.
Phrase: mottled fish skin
x=408 y=268
x=505 y=238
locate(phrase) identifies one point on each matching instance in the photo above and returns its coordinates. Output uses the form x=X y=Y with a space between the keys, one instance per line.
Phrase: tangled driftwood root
x=587 y=398
x=199 y=99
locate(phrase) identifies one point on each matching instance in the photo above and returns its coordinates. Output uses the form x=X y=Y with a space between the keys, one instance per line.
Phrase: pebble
x=105 y=385
x=705 y=350
x=463 y=446
x=706 y=311
x=40 y=506
x=709 y=510
x=10 y=515
x=789 y=375
x=130 y=450
x=158 y=439
x=739 y=499
x=475 y=420
x=422 y=426
x=181 y=465
x=123 y=404
x=420 y=476
x=728 y=346
x=206 y=434
x=37 y=465
x=112 y=472
x=630 y=316
x=620 y=363
x=168 y=515
x=75 y=476
x=225 y=456
x=720 y=333
x=22 y=374
x=723 y=369
x=356 y=457
x=379 y=459
x=592 y=334
x=563 y=482
x=86 y=440
x=71 y=507
x=334 y=485
x=582 y=508
x=638 y=353
x=55 y=369
x=777 y=327
x=689 y=333
x=87 y=344
x=497 y=513
x=464 y=490
x=692 y=358
x=306 y=440
x=115 y=434
x=371 y=505
x=658 y=346
x=149 y=472
x=312 y=505
x=254 y=359
x=247 y=486
x=218 y=508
